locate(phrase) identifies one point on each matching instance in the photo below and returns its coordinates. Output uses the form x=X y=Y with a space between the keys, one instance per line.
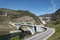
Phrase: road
x=42 y=36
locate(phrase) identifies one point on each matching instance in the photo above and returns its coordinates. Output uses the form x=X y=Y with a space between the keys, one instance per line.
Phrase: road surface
x=42 y=36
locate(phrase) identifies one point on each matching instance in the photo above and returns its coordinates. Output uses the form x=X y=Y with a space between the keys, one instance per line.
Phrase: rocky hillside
x=7 y=15
x=14 y=14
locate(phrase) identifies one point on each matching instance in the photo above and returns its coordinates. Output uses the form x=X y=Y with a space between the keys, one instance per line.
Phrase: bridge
x=32 y=28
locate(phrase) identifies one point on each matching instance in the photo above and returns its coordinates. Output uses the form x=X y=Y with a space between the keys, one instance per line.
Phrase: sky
x=38 y=7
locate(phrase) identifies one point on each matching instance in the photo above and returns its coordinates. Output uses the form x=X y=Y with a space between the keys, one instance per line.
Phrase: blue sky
x=38 y=7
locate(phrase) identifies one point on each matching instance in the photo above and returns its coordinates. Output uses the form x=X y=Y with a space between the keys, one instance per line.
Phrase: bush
x=15 y=38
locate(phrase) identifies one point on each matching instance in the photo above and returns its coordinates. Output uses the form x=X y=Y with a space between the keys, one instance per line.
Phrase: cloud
x=53 y=4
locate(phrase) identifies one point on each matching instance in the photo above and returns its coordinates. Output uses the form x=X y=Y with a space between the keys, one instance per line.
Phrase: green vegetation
x=55 y=23
x=15 y=38
x=56 y=35
x=56 y=16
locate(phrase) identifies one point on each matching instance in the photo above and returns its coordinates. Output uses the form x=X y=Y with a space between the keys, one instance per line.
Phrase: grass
x=15 y=38
x=56 y=35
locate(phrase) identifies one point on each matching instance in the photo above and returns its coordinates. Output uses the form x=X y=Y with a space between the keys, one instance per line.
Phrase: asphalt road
x=42 y=36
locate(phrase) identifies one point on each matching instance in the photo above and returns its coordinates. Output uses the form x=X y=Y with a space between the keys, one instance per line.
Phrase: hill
x=54 y=16
x=54 y=23
x=14 y=14
x=46 y=15
x=7 y=15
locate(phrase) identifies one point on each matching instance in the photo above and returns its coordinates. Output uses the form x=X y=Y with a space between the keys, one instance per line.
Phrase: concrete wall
x=39 y=28
x=31 y=28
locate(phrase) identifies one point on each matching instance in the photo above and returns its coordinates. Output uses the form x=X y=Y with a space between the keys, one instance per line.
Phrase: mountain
x=54 y=23
x=9 y=15
x=54 y=16
x=14 y=14
x=46 y=15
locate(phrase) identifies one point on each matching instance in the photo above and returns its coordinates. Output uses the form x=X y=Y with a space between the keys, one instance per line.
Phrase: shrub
x=15 y=38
